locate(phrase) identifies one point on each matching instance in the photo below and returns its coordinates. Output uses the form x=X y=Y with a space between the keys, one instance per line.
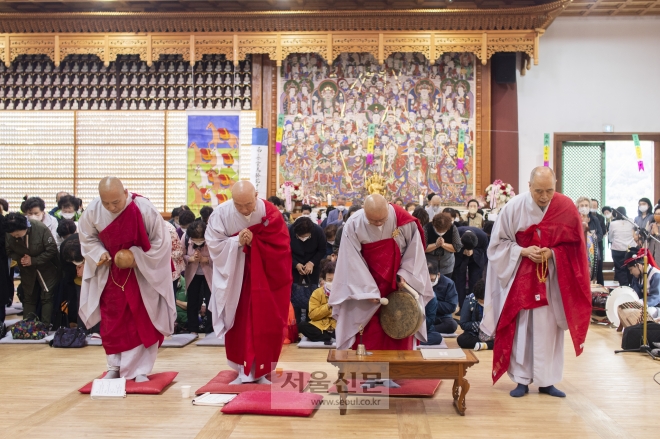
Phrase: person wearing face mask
x=472 y=312
x=68 y=207
x=442 y=240
x=35 y=211
x=73 y=265
x=186 y=218
x=250 y=246
x=32 y=245
x=410 y=207
x=433 y=208
x=174 y=218
x=340 y=230
x=471 y=261
x=607 y=217
x=382 y=248
x=321 y=326
x=308 y=249
x=58 y=196
x=473 y=218
x=199 y=272
x=330 y=237
x=644 y=215
x=6 y=282
x=337 y=216
x=277 y=202
x=591 y=219
x=621 y=238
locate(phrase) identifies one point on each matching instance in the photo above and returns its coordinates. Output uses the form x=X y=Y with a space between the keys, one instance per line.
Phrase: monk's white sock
x=141 y=379
x=111 y=375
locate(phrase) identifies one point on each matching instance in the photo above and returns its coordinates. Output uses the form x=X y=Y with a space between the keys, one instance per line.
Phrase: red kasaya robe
x=561 y=231
x=384 y=260
x=125 y=323
x=263 y=307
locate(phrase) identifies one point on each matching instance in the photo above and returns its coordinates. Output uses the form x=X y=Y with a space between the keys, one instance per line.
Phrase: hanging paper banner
x=259 y=165
x=280 y=133
x=638 y=151
x=546 y=149
x=370 y=143
x=460 y=154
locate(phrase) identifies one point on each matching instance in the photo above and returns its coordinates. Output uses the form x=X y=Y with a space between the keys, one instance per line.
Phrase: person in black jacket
x=6 y=282
x=308 y=248
x=471 y=261
x=601 y=242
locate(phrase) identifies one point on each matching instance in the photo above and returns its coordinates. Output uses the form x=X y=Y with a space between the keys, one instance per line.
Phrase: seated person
x=471 y=314
x=181 y=304
x=321 y=325
x=445 y=293
x=199 y=272
x=433 y=337
x=631 y=313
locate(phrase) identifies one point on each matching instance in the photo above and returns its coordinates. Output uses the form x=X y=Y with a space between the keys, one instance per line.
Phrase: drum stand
x=644 y=236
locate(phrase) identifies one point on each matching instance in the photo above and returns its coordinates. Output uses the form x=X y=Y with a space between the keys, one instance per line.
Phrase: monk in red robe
x=381 y=248
x=250 y=247
x=135 y=305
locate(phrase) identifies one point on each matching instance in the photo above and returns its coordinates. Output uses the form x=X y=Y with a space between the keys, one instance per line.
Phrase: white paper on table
x=443 y=354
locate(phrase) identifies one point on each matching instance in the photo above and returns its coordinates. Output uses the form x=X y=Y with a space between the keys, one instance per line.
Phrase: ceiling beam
x=649 y=7
x=620 y=7
x=591 y=9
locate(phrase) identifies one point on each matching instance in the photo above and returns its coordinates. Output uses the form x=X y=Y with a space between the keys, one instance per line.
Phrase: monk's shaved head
x=113 y=195
x=245 y=197
x=542 y=184
x=435 y=201
x=376 y=209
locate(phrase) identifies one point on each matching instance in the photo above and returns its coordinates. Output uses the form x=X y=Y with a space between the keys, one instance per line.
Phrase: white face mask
x=643 y=208
x=68 y=215
x=472 y=210
x=331 y=242
x=435 y=282
x=584 y=210
x=594 y=210
x=199 y=242
x=439 y=233
x=35 y=217
x=304 y=239
x=608 y=215
x=78 y=263
x=328 y=287
x=341 y=208
x=456 y=220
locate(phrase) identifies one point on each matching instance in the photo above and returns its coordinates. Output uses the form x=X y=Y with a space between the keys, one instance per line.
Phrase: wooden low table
x=403 y=365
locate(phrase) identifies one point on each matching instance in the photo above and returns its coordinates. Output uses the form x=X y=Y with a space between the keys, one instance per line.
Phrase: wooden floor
x=609 y=396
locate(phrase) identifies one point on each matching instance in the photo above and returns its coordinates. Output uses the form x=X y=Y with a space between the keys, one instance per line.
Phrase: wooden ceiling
x=573 y=9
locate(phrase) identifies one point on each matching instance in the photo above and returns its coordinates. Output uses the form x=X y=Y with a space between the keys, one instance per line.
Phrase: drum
x=402 y=316
x=618 y=297
x=124 y=258
x=599 y=295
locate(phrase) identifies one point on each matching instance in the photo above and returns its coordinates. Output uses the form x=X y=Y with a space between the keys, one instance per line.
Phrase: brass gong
x=402 y=316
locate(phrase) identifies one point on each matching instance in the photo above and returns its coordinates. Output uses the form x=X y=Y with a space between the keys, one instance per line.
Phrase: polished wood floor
x=609 y=396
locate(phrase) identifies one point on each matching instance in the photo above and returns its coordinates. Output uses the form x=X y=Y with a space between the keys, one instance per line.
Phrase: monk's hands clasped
x=245 y=237
x=537 y=254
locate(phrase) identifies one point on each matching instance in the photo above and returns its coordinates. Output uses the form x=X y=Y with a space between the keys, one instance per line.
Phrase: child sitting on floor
x=471 y=314
x=321 y=326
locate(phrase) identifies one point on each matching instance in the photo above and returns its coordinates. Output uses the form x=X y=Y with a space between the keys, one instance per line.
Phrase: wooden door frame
x=560 y=138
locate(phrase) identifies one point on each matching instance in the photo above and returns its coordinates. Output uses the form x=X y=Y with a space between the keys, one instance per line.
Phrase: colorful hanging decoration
x=460 y=154
x=370 y=143
x=546 y=149
x=280 y=132
x=638 y=151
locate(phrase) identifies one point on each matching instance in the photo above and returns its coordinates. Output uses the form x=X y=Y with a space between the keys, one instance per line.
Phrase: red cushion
x=285 y=380
x=273 y=403
x=417 y=387
x=157 y=382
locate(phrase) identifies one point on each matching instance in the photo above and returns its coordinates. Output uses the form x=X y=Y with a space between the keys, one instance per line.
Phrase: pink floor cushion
x=256 y=402
x=283 y=381
x=418 y=387
x=156 y=384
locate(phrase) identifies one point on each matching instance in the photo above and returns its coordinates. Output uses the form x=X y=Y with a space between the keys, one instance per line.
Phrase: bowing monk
x=135 y=305
x=249 y=245
x=537 y=286
x=382 y=248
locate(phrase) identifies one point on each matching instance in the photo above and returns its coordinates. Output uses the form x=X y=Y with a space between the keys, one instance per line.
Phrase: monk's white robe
x=153 y=274
x=538 y=346
x=228 y=267
x=353 y=284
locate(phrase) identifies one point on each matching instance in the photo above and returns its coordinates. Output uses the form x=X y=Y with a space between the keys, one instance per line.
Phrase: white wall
x=591 y=72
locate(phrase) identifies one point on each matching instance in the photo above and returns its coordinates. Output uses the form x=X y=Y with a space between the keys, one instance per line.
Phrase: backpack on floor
x=632 y=335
